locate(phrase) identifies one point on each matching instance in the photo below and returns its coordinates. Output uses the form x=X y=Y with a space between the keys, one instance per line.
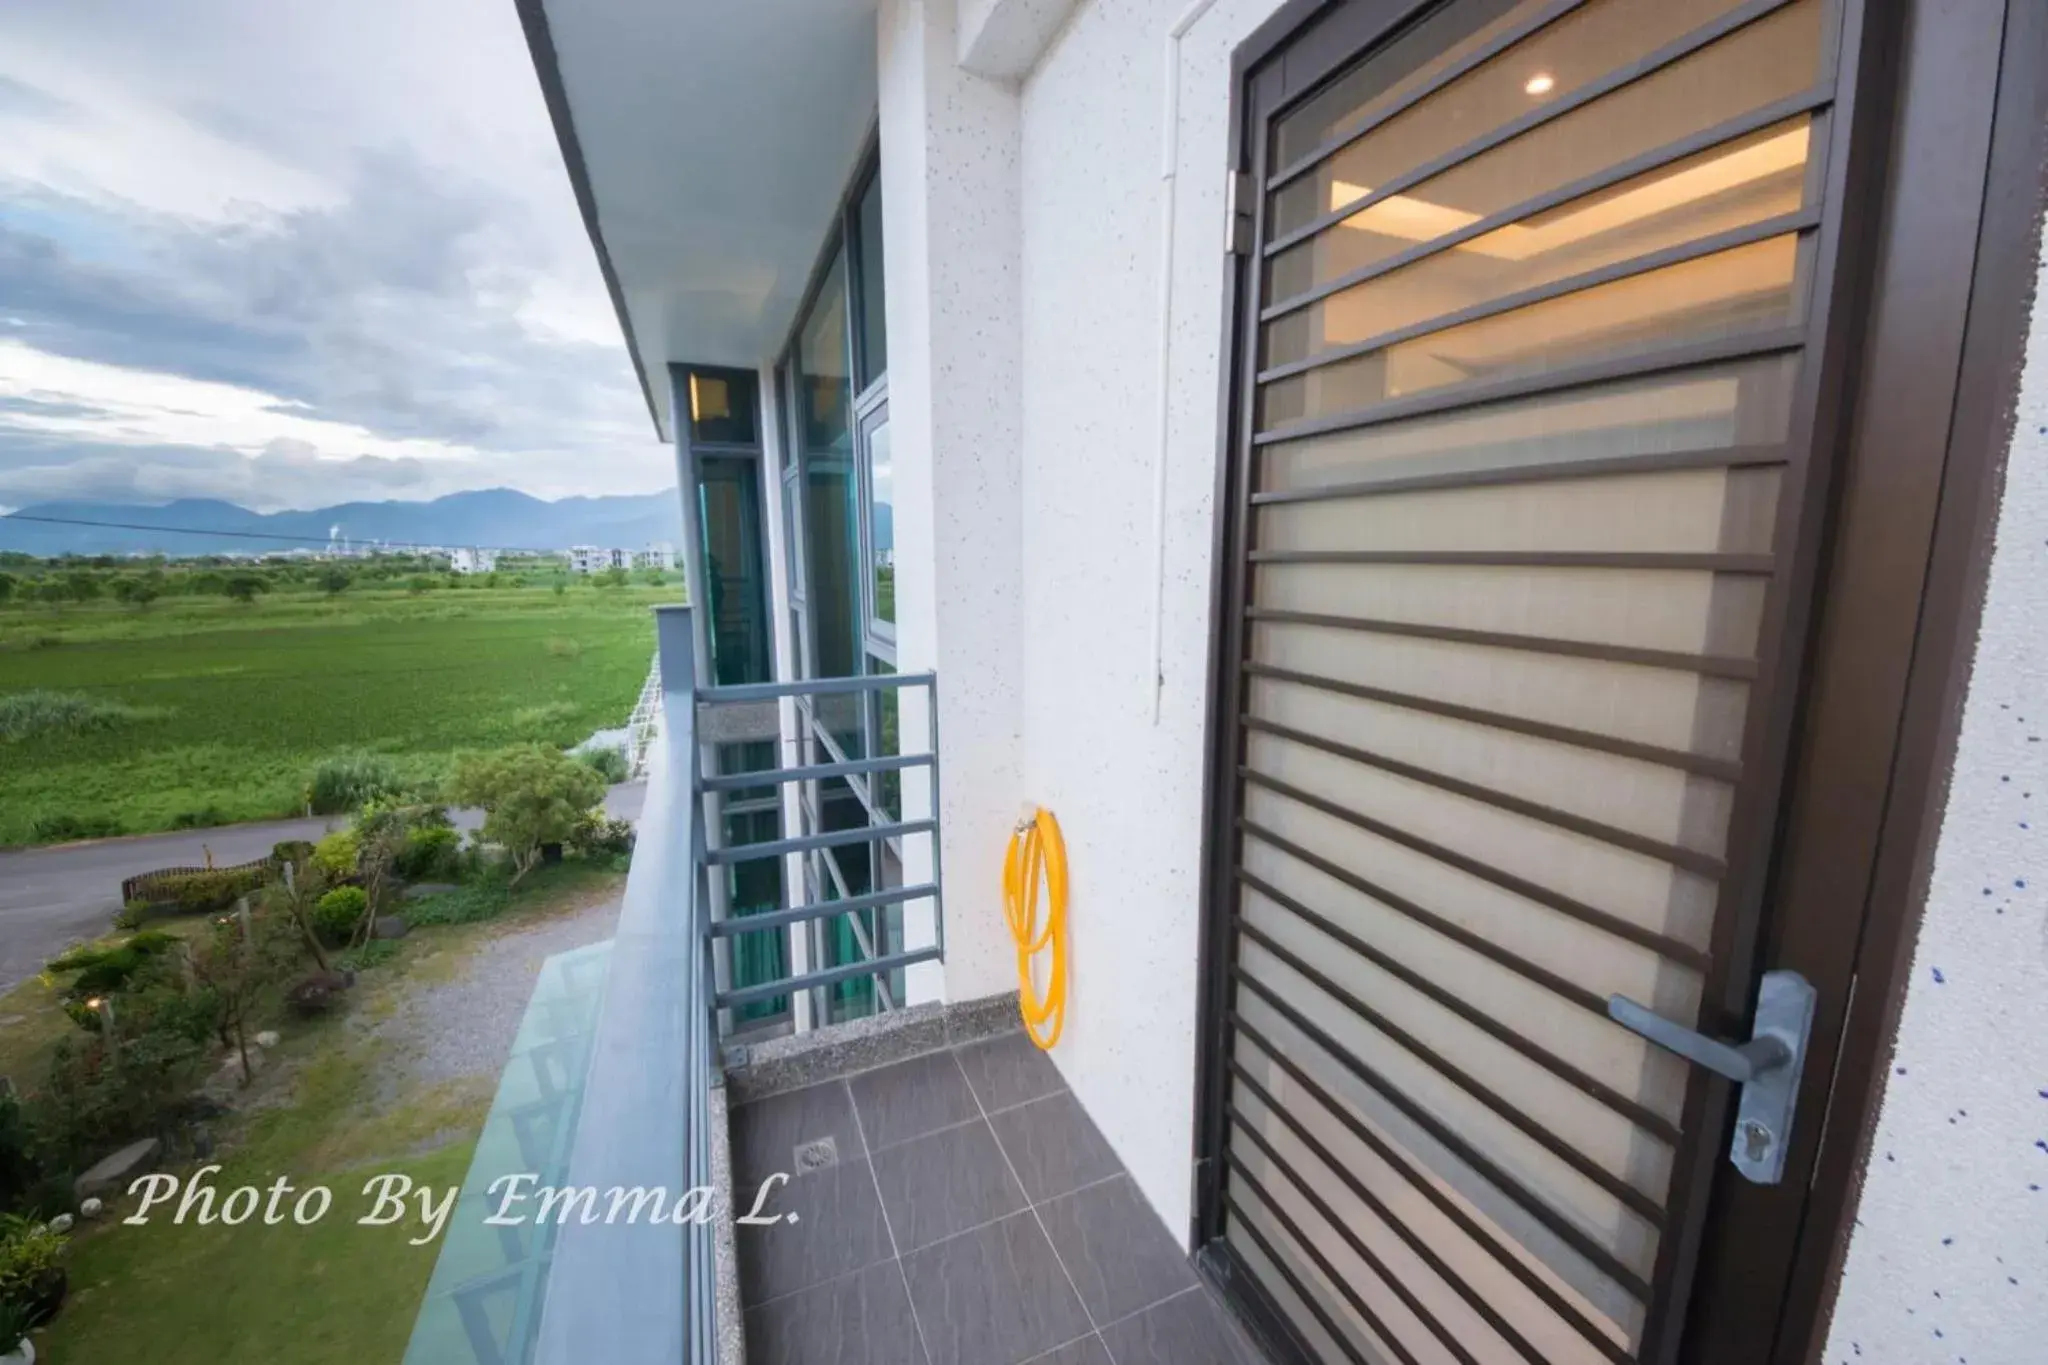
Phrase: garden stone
x=202 y=1143
x=90 y=1208
x=61 y=1223
x=267 y=1038
x=113 y=1172
x=388 y=926
x=421 y=889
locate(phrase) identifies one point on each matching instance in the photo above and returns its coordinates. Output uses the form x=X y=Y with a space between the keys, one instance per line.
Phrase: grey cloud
x=285 y=474
x=395 y=310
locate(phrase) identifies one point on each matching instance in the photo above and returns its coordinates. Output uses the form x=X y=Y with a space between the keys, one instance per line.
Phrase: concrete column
x=951 y=223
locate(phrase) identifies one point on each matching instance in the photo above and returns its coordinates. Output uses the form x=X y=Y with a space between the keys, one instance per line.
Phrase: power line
x=260 y=535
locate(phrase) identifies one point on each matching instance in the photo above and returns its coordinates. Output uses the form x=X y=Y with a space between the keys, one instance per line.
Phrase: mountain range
x=495 y=517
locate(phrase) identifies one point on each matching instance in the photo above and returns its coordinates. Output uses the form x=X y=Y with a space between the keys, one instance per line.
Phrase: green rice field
x=203 y=710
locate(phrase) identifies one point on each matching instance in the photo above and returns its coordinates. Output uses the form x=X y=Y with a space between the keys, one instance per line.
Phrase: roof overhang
x=709 y=143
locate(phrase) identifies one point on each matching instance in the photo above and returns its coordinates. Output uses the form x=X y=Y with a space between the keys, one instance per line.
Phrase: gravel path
x=461 y=1028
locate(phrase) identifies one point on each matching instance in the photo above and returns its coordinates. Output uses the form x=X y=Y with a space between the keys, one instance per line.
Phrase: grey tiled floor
x=966 y=1213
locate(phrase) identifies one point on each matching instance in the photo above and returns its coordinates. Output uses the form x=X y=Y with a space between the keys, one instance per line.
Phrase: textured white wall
x=1128 y=791
x=950 y=227
x=1948 y=1261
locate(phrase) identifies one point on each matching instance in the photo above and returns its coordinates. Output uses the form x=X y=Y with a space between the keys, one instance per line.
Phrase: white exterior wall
x=1949 y=1257
x=1022 y=227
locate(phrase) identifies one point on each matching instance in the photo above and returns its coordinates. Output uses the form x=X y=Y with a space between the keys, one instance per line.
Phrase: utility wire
x=261 y=535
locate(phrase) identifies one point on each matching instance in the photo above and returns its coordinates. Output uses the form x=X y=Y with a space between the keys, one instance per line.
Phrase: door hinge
x=1237 y=213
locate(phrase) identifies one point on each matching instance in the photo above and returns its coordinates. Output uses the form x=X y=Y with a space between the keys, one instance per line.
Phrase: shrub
x=25 y=715
x=598 y=837
x=430 y=852
x=102 y=971
x=293 y=851
x=336 y=914
x=334 y=857
x=346 y=782
x=63 y=826
x=97 y=1096
x=546 y=717
x=531 y=796
x=30 y=1253
x=607 y=762
x=19 y=1170
x=197 y=893
x=133 y=915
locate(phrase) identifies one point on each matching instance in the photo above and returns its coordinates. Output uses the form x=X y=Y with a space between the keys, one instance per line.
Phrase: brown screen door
x=1530 y=414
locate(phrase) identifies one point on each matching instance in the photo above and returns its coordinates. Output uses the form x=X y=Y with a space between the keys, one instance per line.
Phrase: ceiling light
x=1542 y=83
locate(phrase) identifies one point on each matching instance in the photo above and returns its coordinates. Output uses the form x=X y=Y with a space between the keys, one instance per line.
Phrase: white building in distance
x=472 y=561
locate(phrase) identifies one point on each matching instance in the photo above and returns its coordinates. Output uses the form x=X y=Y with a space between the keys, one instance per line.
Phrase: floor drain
x=817 y=1155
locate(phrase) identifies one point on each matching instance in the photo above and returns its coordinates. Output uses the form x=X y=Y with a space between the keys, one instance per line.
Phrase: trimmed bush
x=293 y=851
x=607 y=763
x=335 y=856
x=347 y=781
x=430 y=852
x=103 y=970
x=598 y=837
x=336 y=914
x=198 y=893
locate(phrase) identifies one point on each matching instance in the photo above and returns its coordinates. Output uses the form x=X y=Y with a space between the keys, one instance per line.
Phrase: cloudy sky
x=289 y=253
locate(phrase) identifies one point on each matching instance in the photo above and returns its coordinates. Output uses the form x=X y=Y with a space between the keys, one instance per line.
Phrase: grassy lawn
x=322 y=1113
x=234 y=703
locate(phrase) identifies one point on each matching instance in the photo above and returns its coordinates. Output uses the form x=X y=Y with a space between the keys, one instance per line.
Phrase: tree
x=420 y=583
x=245 y=587
x=531 y=796
x=334 y=579
x=7 y=582
x=612 y=578
x=239 y=959
x=135 y=592
x=80 y=586
x=53 y=591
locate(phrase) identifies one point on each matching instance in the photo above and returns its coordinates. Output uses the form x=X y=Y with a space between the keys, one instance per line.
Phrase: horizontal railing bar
x=804 y=914
x=1605 y=921
x=1592 y=1171
x=1357 y=128
x=1424 y=1184
x=1628 y=74
x=1529 y=559
x=768 y=990
x=1706 y=864
x=769 y=777
x=775 y=848
x=1628 y=1107
x=1345 y=1289
x=1480 y=392
x=1703 y=764
x=1714 y=665
x=1566 y=1231
x=1728 y=130
x=1562 y=987
x=1547 y=471
x=809 y=687
x=1731 y=239
x=1244 y=1221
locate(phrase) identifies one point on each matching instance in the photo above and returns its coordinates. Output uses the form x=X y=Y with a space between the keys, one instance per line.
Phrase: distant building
x=660 y=555
x=472 y=561
x=591 y=559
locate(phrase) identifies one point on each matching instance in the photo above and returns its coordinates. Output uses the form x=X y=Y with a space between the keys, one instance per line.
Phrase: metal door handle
x=1767 y=1067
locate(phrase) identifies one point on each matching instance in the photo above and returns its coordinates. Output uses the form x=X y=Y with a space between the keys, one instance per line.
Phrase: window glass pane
x=1555 y=61
x=824 y=388
x=882 y=522
x=729 y=502
x=874 y=331
x=1774 y=58
x=1735 y=185
x=1751 y=288
x=831 y=511
x=723 y=404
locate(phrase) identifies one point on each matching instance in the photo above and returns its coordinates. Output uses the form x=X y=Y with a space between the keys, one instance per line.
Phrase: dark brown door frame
x=1960 y=123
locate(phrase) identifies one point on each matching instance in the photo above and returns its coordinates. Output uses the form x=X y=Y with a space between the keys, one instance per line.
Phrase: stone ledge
x=757 y=1070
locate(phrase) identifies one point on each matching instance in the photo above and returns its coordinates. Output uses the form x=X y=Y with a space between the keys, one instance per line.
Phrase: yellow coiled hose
x=1035 y=848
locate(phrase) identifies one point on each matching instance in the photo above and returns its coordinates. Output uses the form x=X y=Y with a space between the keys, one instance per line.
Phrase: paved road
x=51 y=898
